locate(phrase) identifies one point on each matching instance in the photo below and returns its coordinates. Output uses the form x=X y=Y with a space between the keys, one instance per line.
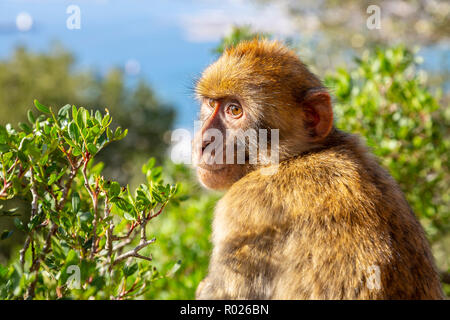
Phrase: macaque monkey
x=327 y=222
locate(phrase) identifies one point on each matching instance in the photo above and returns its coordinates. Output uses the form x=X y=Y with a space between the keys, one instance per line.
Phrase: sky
x=167 y=42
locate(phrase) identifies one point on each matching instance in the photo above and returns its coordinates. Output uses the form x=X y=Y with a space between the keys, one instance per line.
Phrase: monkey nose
x=204 y=145
x=206 y=142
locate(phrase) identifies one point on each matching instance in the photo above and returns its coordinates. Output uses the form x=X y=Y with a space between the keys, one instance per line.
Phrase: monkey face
x=257 y=85
x=219 y=154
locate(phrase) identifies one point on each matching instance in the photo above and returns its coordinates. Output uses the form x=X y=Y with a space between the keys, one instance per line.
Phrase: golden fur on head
x=270 y=82
x=261 y=73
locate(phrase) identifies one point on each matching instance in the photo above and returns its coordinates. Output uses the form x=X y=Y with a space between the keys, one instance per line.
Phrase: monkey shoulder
x=336 y=179
x=338 y=192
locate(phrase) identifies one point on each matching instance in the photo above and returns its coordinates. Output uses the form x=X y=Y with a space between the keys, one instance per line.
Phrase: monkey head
x=258 y=84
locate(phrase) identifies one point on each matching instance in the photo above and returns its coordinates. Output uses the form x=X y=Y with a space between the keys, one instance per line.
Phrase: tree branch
x=135 y=252
x=37 y=263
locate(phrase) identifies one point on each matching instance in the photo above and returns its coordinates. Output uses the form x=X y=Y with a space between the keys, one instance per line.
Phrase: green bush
x=53 y=76
x=83 y=229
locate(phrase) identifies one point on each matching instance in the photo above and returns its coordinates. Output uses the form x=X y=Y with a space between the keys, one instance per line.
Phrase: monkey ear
x=318 y=114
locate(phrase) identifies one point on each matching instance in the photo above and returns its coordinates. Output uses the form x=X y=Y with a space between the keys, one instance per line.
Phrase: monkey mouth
x=213 y=167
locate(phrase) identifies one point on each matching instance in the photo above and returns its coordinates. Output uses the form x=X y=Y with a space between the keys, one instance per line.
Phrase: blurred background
x=140 y=59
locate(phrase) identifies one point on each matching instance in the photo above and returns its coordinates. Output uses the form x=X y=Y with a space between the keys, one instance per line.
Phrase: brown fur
x=314 y=228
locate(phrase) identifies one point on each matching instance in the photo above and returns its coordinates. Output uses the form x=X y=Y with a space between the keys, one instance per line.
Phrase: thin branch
x=37 y=262
x=125 y=292
x=135 y=252
x=94 y=197
x=86 y=180
x=13 y=166
x=72 y=175
x=34 y=210
x=3 y=192
x=34 y=202
x=150 y=216
x=27 y=243
x=109 y=230
x=127 y=235
x=24 y=250
x=126 y=242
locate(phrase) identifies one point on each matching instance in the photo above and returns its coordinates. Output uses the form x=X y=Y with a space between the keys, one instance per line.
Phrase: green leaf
x=75 y=202
x=156 y=173
x=64 y=111
x=19 y=224
x=85 y=216
x=34 y=221
x=109 y=134
x=79 y=119
x=3 y=135
x=149 y=165
x=118 y=132
x=72 y=258
x=122 y=135
x=6 y=234
x=129 y=216
x=4 y=148
x=114 y=189
x=95 y=130
x=74 y=133
x=31 y=117
x=25 y=127
x=76 y=151
x=105 y=120
x=92 y=148
x=52 y=179
x=129 y=270
x=74 y=113
x=41 y=107
x=85 y=115
x=9 y=212
x=122 y=204
x=98 y=117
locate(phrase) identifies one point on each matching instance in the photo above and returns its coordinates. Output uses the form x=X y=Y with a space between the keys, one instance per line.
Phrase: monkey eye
x=234 y=110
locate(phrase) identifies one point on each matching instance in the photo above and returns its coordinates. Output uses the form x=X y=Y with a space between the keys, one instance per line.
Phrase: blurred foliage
x=334 y=27
x=236 y=35
x=80 y=234
x=331 y=32
x=420 y=22
x=51 y=77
